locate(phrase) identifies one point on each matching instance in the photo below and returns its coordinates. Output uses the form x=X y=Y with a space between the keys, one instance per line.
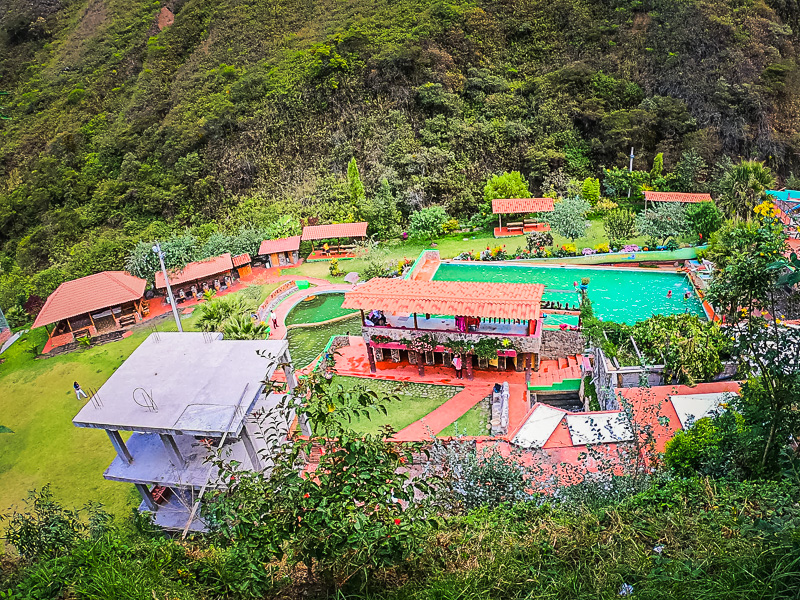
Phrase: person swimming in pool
x=687 y=295
x=669 y=294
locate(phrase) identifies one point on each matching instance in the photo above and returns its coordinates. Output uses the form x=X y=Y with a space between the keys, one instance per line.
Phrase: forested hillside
x=130 y=119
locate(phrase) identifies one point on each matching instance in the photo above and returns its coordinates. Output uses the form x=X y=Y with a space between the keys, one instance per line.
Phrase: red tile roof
x=90 y=294
x=676 y=197
x=402 y=296
x=334 y=231
x=289 y=244
x=197 y=270
x=242 y=259
x=521 y=205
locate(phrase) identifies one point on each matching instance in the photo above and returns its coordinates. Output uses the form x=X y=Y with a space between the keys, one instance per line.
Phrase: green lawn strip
x=415 y=401
x=38 y=404
x=455 y=244
x=473 y=422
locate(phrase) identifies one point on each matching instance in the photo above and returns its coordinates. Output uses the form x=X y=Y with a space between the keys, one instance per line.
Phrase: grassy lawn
x=38 y=403
x=415 y=401
x=453 y=245
x=474 y=422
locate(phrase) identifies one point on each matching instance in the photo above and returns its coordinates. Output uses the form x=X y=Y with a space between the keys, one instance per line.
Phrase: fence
x=278 y=294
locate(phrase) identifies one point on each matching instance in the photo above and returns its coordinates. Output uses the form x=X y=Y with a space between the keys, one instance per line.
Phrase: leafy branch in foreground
x=340 y=501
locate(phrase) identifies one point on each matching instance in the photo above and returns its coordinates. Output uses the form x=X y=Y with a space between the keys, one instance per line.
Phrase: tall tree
x=355 y=188
x=507 y=185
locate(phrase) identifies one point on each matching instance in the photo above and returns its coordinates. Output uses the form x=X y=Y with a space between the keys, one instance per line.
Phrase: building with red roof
x=520 y=206
x=281 y=252
x=396 y=312
x=93 y=305
x=337 y=232
x=196 y=277
x=657 y=412
x=684 y=198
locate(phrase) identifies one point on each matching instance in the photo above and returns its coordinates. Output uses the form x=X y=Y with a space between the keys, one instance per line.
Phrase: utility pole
x=630 y=170
x=160 y=254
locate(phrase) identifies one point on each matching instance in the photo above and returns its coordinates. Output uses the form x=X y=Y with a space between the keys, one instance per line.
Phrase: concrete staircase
x=552 y=372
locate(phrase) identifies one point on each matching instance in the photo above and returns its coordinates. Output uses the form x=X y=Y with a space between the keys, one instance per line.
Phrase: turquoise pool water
x=621 y=295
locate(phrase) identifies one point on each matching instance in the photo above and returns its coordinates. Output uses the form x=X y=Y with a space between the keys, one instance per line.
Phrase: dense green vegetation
x=240 y=112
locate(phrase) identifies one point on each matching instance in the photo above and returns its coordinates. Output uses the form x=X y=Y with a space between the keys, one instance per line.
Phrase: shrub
x=602 y=247
x=591 y=190
x=538 y=239
x=334 y=269
x=620 y=225
x=569 y=217
x=450 y=226
x=428 y=222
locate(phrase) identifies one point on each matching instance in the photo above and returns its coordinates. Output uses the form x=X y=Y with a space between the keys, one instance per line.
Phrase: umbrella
x=352 y=277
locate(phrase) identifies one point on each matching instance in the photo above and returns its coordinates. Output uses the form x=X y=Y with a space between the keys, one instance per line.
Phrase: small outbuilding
x=281 y=252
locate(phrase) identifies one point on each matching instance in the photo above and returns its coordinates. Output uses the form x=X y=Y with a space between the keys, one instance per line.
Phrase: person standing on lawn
x=78 y=391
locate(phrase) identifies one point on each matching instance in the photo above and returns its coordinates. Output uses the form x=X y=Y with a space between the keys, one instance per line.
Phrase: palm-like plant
x=243 y=327
x=214 y=314
x=744 y=187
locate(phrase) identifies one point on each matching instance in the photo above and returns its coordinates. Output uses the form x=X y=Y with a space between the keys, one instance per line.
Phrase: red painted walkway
x=436 y=420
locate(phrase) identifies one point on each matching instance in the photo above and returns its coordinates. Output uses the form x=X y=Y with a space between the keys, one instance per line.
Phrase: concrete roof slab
x=198 y=384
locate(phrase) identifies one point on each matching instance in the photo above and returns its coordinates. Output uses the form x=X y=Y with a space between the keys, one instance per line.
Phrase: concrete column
x=149 y=501
x=250 y=448
x=172 y=450
x=288 y=370
x=527 y=367
x=468 y=365
x=420 y=364
x=371 y=357
x=119 y=445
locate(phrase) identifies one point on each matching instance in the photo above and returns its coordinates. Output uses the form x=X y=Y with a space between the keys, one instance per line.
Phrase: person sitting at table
x=326 y=248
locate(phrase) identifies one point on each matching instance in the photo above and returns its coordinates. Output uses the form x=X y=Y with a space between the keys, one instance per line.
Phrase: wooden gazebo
x=520 y=206
x=93 y=305
x=334 y=232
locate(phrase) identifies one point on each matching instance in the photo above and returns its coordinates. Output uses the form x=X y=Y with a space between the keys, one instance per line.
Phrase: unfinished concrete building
x=182 y=396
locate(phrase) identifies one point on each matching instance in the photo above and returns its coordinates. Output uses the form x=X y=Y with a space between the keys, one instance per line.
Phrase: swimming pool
x=315 y=309
x=621 y=295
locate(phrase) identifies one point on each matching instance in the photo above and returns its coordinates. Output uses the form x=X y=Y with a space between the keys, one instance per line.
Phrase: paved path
x=439 y=418
x=288 y=303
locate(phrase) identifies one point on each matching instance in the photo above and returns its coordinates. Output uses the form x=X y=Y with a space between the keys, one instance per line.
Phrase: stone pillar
x=536 y=362
x=250 y=448
x=373 y=368
x=468 y=364
x=420 y=364
x=527 y=367
x=172 y=450
x=119 y=445
x=149 y=501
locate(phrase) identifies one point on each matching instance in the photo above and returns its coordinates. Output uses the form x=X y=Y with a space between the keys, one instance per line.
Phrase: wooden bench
x=515 y=226
x=530 y=222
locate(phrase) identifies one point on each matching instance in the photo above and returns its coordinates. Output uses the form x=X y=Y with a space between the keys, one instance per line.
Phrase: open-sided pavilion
x=451 y=313
x=335 y=232
x=92 y=306
x=521 y=207
x=681 y=197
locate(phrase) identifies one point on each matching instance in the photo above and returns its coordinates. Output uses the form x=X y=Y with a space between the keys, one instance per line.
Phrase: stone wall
x=340 y=341
x=560 y=344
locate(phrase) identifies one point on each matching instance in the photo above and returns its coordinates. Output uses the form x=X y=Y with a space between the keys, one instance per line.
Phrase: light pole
x=160 y=255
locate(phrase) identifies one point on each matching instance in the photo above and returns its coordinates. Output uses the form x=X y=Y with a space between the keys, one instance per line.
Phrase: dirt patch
x=165 y=18
x=92 y=20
